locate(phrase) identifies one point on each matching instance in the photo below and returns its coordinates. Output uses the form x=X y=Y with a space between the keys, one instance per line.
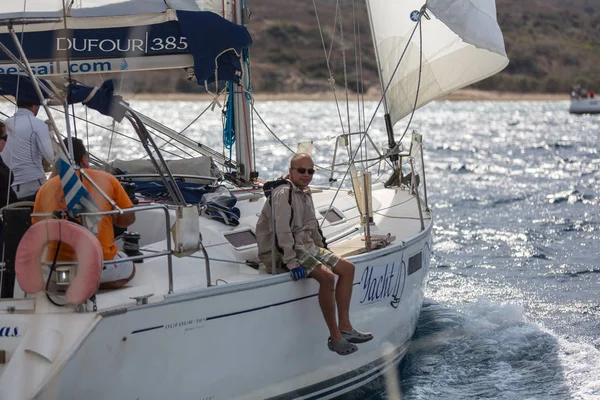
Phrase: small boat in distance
x=584 y=101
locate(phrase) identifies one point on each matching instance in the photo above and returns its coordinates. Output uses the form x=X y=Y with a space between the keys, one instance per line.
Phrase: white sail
x=462 y=44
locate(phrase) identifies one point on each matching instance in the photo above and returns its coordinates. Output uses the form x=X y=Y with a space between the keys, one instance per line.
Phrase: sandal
x=342 y=347
x=355 y=336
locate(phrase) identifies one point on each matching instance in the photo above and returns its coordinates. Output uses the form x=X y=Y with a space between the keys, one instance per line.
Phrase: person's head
x=3 y=136
x=302 y=169
x=33 y=107
x=80 y=153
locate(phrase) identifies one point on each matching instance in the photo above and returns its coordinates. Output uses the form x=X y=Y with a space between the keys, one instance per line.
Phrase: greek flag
x=77 y=197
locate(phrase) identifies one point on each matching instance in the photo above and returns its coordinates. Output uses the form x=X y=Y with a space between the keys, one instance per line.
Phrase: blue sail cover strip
x=208 y=35
x=104 y=101
x=9 y=84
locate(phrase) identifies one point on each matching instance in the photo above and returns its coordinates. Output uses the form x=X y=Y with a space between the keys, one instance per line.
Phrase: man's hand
x=47 y=166
x=298 y=273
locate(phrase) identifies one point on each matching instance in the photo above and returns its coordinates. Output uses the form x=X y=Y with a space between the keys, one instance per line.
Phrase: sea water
x=512 y=307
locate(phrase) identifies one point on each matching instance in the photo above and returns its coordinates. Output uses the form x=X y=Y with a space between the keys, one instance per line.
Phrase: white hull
x=585 y=106
x=255 y=338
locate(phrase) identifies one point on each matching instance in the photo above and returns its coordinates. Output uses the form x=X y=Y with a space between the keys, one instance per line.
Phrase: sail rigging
x=459 y=43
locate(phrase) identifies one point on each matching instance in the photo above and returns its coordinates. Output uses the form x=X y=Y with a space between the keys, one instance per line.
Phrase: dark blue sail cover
x=202 y=34
x=9 y=84
x=209 y=35
x=104 y=101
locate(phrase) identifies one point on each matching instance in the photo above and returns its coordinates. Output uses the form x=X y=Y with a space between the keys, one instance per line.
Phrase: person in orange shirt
x=51 y=198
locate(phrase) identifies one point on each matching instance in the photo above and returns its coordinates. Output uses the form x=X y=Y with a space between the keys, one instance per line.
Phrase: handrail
x=345 y=136
x=106 y=262
x=167 y=230
x=185 y=176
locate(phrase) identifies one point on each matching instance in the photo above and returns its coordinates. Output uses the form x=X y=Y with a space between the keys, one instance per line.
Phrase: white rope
x=91 y=95
x=87 y=130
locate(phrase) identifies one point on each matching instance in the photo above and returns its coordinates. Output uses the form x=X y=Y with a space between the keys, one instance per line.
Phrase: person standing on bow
x=301 y=248
x=27 y=147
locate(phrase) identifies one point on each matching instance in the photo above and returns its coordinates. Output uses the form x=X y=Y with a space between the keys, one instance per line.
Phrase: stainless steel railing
x=167 y=253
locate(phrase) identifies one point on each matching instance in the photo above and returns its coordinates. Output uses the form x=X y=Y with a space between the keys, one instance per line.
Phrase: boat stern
x=34 y=345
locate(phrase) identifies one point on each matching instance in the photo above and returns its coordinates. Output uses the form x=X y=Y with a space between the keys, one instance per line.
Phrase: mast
x=244 y=145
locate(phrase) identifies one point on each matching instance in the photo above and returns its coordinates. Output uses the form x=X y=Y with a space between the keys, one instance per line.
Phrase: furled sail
x=137 y=11
x=462 y=44
x=102 y=36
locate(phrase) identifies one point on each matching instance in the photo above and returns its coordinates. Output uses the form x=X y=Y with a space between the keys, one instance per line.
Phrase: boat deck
x=397 y=217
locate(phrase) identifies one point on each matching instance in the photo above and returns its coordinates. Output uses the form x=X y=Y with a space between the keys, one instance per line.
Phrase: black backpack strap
x=322 y=236
x=290 y=203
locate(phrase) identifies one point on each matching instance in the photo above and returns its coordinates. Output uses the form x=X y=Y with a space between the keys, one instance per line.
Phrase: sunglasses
x=304 y=170
x=3 y=138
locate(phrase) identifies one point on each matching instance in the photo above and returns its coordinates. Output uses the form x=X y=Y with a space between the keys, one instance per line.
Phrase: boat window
x=332 y=215
x=414 y=263
x=241 y=239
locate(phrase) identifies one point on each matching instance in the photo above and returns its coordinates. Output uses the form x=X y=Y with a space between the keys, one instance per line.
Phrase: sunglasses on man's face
x=3 y=138
x=304 y=170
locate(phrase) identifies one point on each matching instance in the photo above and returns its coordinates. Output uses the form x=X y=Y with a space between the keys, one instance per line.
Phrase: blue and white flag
x=77 y=197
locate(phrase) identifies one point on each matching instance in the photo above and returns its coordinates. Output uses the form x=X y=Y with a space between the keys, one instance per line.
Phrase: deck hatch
x=241 y=238
x=332 y=215
x=415 y=263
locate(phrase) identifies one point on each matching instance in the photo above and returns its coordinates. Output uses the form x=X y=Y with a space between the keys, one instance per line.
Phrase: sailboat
x=201 y=320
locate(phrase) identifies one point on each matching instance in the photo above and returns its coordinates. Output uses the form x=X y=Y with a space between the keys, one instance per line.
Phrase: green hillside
x=551 y=45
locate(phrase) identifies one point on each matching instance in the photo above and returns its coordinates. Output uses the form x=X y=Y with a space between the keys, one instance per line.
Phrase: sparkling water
x=512 y=306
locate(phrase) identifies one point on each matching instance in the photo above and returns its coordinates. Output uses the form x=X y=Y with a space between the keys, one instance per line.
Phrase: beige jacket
x=297 y=230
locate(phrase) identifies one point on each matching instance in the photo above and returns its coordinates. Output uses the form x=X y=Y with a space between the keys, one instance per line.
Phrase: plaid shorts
x=309 y=261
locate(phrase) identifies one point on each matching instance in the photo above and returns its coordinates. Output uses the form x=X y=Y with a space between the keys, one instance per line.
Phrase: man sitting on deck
x=51 y=198
x=301 y=248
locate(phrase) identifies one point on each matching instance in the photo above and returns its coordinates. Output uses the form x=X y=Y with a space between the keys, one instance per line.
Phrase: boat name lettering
x=186 y=323
x=9 y=331
x=93 y=45
x=380 y=282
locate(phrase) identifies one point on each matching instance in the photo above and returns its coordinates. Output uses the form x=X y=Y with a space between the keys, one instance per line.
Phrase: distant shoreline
x=459 y=95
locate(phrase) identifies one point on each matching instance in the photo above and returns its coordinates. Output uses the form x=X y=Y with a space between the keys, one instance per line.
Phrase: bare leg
x=343 y=292
x=326 y=281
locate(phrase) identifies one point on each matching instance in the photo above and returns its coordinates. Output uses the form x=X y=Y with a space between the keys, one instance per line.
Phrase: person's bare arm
x=124 y=220
x=123 y=202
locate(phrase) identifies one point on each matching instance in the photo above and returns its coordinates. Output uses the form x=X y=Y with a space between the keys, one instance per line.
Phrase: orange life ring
x=28 y=267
